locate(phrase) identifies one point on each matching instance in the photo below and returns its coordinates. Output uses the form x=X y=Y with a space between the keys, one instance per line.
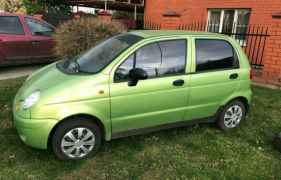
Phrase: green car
x=133 y=83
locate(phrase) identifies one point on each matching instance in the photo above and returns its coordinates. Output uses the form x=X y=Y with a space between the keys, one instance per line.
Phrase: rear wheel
x=232 y=115
x=76 y=139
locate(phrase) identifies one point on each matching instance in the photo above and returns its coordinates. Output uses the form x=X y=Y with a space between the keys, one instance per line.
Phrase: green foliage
x=57 y=15
x=53 y=2
x=123 y=15
x=57 y=6
x=12 y=6
x=78 y=35
x=44 y=6
x=32 y=7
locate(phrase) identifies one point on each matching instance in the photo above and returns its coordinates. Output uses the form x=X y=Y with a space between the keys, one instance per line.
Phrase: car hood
x=57 y=87
x=43 y=79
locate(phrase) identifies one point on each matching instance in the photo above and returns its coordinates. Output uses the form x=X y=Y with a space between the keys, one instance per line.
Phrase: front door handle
x=35 y=42
x=178 y=82
x=233 y=76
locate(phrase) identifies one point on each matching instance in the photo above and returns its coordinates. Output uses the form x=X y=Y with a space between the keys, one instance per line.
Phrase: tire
x=277 y=142
x=231 y=115
x=76 y=139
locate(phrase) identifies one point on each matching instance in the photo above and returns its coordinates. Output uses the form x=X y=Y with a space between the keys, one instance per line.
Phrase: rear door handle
x=178 y=82
x=233 y=76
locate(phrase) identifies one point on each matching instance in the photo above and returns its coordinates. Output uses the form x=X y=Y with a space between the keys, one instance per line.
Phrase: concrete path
x=15 y=72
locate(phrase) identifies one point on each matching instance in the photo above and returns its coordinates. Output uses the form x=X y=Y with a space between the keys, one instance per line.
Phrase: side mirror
x=45 y=33
x=135 y=75
x=38 y=33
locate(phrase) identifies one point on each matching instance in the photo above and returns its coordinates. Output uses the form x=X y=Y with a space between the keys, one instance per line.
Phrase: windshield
x=98 y=57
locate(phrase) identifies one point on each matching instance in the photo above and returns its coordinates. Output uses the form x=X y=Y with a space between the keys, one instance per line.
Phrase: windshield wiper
x=71 y=65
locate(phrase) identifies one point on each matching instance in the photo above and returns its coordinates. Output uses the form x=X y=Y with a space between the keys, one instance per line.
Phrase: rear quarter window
x=11 y=25
x=212 y=54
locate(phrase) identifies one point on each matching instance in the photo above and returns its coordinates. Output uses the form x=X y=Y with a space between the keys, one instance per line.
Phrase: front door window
x=160 y=59
x=38 y=28
x=11 y=25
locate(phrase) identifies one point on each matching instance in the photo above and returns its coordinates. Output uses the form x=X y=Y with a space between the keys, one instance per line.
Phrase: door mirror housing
x=45 y=33
x=38 y=33
x=135 y=75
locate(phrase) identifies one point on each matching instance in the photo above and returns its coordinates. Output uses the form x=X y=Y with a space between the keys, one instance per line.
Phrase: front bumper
x=34 y=132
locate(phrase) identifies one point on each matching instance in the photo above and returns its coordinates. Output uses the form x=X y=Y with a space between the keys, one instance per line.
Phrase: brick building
x=238 y=15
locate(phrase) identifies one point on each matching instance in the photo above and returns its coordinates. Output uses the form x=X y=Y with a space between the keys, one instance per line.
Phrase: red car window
x=38 y=28
x=11 y=25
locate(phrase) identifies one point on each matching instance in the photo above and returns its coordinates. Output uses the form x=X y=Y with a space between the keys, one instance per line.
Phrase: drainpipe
x=135 y=14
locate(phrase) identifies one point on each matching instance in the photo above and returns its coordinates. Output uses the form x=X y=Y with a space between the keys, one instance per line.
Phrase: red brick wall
x=272 y=59
x=197 y=11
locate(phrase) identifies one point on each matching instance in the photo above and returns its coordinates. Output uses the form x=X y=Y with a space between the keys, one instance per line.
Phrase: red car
x=25 y=40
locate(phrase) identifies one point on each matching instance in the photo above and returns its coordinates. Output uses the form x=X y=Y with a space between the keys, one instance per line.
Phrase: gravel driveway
x=15 y=72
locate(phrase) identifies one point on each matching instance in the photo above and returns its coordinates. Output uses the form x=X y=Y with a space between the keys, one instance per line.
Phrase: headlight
x=31 y=100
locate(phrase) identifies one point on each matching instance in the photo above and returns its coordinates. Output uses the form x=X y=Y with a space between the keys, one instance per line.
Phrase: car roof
x=23 y=16
x=158 y=33
x=7 y=14
x=13 y=14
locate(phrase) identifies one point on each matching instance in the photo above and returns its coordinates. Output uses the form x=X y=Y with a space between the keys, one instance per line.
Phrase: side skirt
x=162 y=127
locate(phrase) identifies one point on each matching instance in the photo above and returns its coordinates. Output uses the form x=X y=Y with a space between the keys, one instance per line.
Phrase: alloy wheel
x=233 y=115
x=78 y=142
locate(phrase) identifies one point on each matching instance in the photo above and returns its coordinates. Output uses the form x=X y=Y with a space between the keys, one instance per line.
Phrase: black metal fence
x=150 y=25
x=252 y=38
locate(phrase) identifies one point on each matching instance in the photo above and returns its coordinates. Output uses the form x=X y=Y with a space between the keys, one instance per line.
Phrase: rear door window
x=11 y=25
x=214 y=54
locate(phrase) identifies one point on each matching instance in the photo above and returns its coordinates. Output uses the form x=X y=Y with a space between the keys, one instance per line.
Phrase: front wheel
x=76 y=139
x=232 y=115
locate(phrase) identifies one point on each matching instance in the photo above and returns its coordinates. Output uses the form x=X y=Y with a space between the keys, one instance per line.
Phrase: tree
x=12 y=6
x=33 y=7
x=78 y=35
x=57 y=6
x=57 y=11
x=123 y=15
x=45 y=6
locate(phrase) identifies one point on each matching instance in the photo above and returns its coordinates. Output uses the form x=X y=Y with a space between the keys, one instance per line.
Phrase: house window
x=229 y=21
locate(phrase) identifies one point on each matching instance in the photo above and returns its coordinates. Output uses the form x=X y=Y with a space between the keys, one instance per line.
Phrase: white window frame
x=235 y=20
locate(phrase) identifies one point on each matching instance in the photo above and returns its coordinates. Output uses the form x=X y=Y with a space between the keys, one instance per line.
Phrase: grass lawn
x=197 y=152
